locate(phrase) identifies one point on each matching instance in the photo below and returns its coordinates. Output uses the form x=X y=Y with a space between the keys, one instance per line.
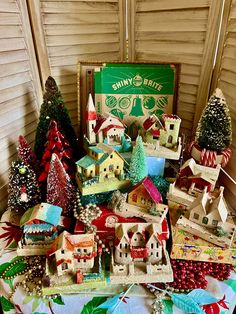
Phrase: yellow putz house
x=105 y=165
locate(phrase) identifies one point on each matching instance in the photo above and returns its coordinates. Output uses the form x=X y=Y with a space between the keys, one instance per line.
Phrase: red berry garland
x=190 y=275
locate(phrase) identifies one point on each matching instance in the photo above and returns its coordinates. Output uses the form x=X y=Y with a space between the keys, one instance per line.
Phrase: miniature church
x=102 y=127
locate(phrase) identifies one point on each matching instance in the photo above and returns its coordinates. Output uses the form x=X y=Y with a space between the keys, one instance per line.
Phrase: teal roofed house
x=40 y=223
x=103 y=162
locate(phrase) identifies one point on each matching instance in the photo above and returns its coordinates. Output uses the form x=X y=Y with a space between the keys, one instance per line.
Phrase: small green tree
x=214 y=131
x=53 y=108
x=138 y=167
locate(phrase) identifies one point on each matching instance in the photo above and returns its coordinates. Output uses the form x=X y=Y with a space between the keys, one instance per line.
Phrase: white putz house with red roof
x=101 y=127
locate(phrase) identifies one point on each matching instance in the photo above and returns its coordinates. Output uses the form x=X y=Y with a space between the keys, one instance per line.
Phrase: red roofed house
x=100 y=127
x=162 y=132
x=194 y=178
x=74 y=252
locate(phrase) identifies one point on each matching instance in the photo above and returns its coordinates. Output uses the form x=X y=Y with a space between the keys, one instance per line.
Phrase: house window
x=126 y=245
x=92 y=126
x=84 y=260
x=134 y=198
x=172 y=126
x=105 y=169
x=120 y=254
x=151 y=245
x=84 y=170
x=62 y=251
x=156 y=254
x=120 y=245
x=196 y=216
x=117 y=167
x=64 y=266
x=157 y=245
x=214 y=222
x=78 y=260
x=151 y=253
x=205 y=220
x=85 y=250
x=91 y=171
x=111 y=168
x=143 y=201
x=78 y=250
x=126 y=254
x=156 y=125
x=111 y=156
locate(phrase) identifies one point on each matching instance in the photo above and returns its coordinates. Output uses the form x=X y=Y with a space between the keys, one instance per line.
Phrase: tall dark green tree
x=53 y=108
x=214 y=131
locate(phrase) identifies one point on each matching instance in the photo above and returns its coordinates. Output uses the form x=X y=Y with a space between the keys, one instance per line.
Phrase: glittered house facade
x=74 y=252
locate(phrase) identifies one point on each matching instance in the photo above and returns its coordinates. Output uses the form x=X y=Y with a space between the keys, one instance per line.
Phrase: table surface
x=138 y=300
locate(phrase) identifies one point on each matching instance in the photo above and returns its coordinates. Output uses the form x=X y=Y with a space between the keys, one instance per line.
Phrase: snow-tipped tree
x=214 y=131
x=23 y=187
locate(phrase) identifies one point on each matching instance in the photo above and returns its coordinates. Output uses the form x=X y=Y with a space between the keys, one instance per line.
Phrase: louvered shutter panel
x=20 y=89
x=67 y=32
x=183 y=31
x=225 y=78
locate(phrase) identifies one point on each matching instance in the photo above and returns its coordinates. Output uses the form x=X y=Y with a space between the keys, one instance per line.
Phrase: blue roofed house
x=103 y=162
x=40 y=228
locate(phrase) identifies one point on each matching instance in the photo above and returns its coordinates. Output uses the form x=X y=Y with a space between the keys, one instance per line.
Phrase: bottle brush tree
x=138 y=167
x=56 y=144
x=53 y=108
x=23 y=187
x=60 y=190
x=214 y=131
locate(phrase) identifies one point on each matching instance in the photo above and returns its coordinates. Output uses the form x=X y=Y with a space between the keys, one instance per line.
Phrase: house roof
x=199 y=171
x=148 y=230
x=68 y=242
x=107 y=150
x=210 y=205
x=166 y=116
x=90 y=110
x=103 y=121
x=148 y=123
x=44 y=212
x=150 y=188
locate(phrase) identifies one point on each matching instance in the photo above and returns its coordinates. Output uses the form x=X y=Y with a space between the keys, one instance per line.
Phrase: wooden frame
x=85 y=84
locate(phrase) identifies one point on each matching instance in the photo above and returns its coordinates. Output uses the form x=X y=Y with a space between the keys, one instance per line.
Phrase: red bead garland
x=191 y=274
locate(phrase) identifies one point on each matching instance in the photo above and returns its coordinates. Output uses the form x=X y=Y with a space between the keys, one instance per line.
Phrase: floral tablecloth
x=137 y=301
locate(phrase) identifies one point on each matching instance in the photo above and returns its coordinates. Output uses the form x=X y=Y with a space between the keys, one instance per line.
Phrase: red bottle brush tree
x=27 y=155
x=60 y=190
x=23 y=187
x=56 y=144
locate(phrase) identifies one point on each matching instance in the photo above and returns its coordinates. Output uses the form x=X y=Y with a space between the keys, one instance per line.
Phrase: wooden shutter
x=183 y=31
x=225 y=78
x=20 y=89
x=67 y=32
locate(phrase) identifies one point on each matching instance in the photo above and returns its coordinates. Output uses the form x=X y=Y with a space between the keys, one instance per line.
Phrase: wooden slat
x=10 y=31
x=53 y=41
x=9 y=19
x=163 y=5
x=77 y=7
x=176 y=36
x=77 y=19
x=51 y=30
x=14 y=68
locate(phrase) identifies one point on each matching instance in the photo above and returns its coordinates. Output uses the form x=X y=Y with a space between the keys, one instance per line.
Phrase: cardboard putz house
x=101 y=165
x=164 y=130
x=101 y=127
x=74 y=252
x=140 y=254
x=207 y=218
x=40 y=228
x=143 y=201
x=194 y=178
